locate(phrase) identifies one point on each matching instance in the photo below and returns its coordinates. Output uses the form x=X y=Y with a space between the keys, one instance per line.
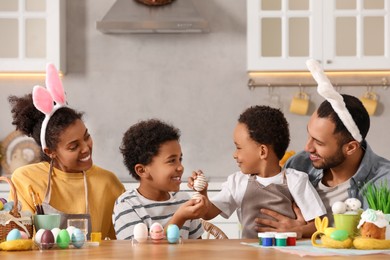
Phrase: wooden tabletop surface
x=190 y=249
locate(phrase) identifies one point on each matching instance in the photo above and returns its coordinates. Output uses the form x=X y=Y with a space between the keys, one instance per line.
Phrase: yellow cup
x=300 y=103
x=347 y=222
x=96 y=237
x=370 y=102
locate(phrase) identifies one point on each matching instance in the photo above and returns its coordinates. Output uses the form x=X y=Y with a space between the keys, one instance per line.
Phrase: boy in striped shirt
x=152 y=154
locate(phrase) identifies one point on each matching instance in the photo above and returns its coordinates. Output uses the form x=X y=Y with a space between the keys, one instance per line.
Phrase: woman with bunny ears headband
x=66 y=177
x=337 y=157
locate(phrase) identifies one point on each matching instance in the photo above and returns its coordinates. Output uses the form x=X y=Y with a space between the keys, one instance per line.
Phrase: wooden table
x=190 y=249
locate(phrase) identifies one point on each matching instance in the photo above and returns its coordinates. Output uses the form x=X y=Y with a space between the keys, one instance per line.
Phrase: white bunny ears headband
x=44 y=98
x=326 y=90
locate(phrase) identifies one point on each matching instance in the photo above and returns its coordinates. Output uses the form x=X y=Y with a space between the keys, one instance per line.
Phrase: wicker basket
x=6 y=225
x=155 y=2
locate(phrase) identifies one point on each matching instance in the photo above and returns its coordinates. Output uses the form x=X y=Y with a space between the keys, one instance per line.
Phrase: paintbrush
x=40 y=204
x=34 y=199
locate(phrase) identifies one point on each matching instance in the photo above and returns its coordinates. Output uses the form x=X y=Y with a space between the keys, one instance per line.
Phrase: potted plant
x=378 y=196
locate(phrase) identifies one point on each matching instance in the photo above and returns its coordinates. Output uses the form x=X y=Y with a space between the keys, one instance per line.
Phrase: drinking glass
x=80 y=223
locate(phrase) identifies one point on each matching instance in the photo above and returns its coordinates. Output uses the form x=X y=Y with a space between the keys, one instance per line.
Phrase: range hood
x=129 y=16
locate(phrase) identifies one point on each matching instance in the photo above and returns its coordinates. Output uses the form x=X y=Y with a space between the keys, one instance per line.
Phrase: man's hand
x=281 y=223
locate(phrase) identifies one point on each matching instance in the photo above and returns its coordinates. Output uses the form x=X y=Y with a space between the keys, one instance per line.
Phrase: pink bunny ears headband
x=326 y=90
x=44 y=98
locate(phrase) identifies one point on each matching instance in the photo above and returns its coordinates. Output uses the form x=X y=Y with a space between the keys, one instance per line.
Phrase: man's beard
x=330 y=162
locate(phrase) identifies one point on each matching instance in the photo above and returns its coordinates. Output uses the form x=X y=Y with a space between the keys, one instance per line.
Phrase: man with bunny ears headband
x=66 y=178
x=337 y=157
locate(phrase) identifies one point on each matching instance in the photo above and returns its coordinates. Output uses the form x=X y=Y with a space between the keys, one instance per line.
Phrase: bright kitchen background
x=198 y=82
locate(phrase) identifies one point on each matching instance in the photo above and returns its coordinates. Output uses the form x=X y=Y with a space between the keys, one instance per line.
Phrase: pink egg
x=156 y=231
x=23 y=235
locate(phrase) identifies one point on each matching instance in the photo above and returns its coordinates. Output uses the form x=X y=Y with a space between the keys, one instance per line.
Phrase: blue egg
x=173 y=233
x=14 y=234
x=8 y=206
x=78 y=238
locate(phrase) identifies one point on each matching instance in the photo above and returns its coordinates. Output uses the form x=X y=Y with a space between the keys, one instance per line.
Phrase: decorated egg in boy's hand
x=200 y=182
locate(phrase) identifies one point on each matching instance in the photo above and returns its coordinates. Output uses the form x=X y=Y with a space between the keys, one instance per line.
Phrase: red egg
x=47 y=240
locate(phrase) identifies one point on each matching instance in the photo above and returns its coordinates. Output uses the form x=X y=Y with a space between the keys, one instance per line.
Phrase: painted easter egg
x=47 y=239
x=156 y=231
x=63 y=239
x=3 y=200
x=140 y=232
x=200 y=182
x=173 y=233
x=38 y=235
x=23 y=235
x=14 y=234
x=339 y=235
x=339 y=207
x=78 y=238
x=55 y=232
x=70 y=230
x=8 y=206
x=1 y=205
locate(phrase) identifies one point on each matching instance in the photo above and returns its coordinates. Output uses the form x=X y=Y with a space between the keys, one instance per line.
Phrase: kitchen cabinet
x=341 y=34
x=32 y=34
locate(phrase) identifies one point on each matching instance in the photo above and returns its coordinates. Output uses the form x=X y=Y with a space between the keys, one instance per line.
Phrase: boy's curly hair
x=142 y=142
x=267 y=125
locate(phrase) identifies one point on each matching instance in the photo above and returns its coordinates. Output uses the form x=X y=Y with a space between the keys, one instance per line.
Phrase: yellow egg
x=329 y=231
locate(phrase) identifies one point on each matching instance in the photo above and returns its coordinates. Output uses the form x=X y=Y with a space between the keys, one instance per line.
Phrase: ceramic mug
x=370 y=102
x=347 y=222
x=300 y=103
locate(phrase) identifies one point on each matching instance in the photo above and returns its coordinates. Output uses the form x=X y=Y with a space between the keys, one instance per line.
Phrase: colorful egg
x=1 y=205
x=14 y=234
x=47 y=239
x=339 y=235
x=38 y=235
x=3 y=200
x=156 y=231
x=55 y=232
x=200 y=182
x=63 y=239
x=140 y=232
x=339 y=207
x=70 y=230
x=23 y=235
x=78 y=238
x=8 y=206
x=173 y=233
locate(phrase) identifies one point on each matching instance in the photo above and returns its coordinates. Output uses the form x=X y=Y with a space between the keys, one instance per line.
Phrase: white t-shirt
x=305 y=196
x=330 y=195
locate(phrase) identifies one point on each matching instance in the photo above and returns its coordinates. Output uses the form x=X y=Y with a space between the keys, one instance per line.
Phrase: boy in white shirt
x=261 y=137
